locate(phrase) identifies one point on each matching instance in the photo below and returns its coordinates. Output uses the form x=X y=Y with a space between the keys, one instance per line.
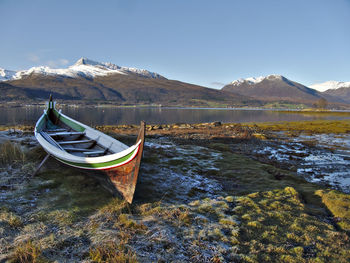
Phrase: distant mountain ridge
x=89 y=80
x=273 y=88
x=253 y=80
x=96 y=82
x=340 y=93
x=84 y=67
x=6 y=74
x=330 y=85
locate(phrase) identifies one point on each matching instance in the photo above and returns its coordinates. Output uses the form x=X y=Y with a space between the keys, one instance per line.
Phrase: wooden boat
x=81 y=146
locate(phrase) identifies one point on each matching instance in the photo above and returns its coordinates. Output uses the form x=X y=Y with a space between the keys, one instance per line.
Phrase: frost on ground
x=320 y=158
x=176 y=171
x=57 y=216
x=198 y=201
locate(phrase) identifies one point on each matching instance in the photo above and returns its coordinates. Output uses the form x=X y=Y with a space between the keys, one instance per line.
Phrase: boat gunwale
x=67 y=157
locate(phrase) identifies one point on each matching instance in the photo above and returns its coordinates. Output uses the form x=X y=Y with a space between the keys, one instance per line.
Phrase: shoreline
x=314 y=126
x=223 y=107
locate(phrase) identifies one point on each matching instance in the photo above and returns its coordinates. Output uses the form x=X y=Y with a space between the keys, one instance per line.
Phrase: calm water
x=114 y=116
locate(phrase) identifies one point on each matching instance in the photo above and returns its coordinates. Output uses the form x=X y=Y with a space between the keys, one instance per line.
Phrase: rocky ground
x=206 y=193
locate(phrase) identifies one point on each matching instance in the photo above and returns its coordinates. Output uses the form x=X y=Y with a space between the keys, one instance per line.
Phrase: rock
x=216 y=123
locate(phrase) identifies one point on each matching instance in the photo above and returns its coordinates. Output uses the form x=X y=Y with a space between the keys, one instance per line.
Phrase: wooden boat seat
x=50 y=140
x=85 y=151
x=56 y=130
x=94 y=152
x=76 y=142
x=78 y=150
x=66 y=133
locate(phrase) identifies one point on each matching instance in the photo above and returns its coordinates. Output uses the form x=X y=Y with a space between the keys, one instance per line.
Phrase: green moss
x=220 y=147
x=251 y=176
x=115 y=206
x=227 y=221
x=216 y=234
x=126 y=222
x=309 y=127
x=339 y=205
x=229 y=199
x=149 y=209
x=272 y=219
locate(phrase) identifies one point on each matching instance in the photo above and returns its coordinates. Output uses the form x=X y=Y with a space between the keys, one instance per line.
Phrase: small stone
x=216 y=123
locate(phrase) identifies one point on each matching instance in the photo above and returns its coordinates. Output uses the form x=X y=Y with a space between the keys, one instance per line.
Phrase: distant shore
x=294 y=109
x=218 y=129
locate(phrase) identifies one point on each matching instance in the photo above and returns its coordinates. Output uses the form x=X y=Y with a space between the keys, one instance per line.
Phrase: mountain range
x=96 y=82
x=279 y=88
x=330 y=85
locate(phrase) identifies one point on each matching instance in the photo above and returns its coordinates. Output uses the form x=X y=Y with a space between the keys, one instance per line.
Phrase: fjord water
x=155 y=115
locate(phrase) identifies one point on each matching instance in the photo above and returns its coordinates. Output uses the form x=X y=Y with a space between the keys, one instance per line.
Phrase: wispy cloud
x=217 y=84
x=33 y=57
x=42 y=57
x=57 y=63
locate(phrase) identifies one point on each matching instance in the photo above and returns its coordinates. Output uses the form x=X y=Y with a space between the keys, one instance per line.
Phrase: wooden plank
x=50 y=139
x=56 y=130
x=93 y=152
x=66 y=133
x=78 y=150
x=75 y=142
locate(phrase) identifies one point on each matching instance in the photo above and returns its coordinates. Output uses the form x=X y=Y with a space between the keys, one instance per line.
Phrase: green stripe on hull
x=41 y=123
x=99 y=165
x=68 y=122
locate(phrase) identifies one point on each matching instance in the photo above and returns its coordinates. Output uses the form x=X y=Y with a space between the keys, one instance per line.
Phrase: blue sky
x=209 y=43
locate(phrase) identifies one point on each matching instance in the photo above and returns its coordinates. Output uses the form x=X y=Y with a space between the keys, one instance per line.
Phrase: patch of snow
x=82 y=68
x=6 y=74
x=255 y=80
x=330 y=85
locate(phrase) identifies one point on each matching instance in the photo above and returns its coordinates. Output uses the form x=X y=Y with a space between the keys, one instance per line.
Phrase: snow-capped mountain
x=273 y=88
x=96 y=82
x=255 y=80
x=330 y=85
x=6 y=74
x=82 y=68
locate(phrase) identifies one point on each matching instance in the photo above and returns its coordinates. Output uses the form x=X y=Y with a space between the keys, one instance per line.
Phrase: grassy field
x=261 y=213
x=308 y=127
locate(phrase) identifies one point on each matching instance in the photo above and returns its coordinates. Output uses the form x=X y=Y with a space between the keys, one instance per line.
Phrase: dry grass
x=10 y=153
x=13 y=220
x=27 y=252
x=111 y=252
